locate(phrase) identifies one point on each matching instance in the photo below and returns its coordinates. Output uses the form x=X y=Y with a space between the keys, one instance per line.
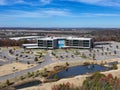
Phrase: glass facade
x=45 y=43
x=85 y=43
x=49 y=43
x=60 y=43
x=75 y=42
x=78 y=43
x=40 y=43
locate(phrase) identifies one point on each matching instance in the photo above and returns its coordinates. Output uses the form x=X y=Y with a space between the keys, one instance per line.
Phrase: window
x=86 y=43
x=49 y=43
x=75 y=43
x=40 y=43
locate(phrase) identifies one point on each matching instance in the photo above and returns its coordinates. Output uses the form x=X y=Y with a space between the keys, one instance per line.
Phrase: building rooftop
x=30 y=44
x=25 y=37
x=70 y=38
x=78 y=38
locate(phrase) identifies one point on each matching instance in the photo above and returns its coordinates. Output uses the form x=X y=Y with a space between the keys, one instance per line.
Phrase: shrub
x=7 y=82
x=99 y=81
x=16 y=54
x=86 y=63
x=84 y=56
x=114 y=66
x=65 y=86
x=36 y=59
x=56 y=77
x=67 y=64
x=29 y=74
x=53 y=54
x=32 y=74
x=22 y=77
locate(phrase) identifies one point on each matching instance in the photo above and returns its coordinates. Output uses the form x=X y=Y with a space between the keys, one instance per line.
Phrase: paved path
x=46 y=62
x=49 y=61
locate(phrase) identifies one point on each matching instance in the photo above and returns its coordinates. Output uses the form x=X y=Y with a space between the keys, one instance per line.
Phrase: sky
x=60 y=13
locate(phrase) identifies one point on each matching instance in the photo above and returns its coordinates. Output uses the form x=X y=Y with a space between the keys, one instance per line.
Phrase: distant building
x=26 y=37
x=61 y=42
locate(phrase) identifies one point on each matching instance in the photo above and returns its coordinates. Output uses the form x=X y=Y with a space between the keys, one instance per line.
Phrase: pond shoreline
x=79 y=70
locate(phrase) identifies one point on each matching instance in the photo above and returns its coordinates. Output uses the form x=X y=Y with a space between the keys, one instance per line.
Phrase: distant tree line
x=9 y=42
x=106 y=35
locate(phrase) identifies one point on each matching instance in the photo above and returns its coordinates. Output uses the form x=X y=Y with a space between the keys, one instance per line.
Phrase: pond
x=78 y=70
x=27 y=84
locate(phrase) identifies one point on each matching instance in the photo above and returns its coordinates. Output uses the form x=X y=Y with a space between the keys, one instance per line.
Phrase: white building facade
x=64 y=42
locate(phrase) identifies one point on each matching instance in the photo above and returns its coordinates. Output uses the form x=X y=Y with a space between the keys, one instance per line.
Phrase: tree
x=4 y=56
x=97 y=50
x=76 y=52
x=37 y=72
x=83 y=55
x=109 y=53
x=21 y=77
x=72 y=56
x=11 y=51
x=102 y=53
x=7 y=82
x=61 y=57
x=53 y=53
x=65 y=86
x=16 y=58
x=32 y=74
x=105 y=53
x=90 y=55
x=29 y=74
x=67 y=64
x=117 y=46
x=107 y=49
x=115 y=52
x=56 y=77
x=114 y=66
x=93 y=56
x=66 y=56
x=36 y=59
x=28 y=62
x=45 y=69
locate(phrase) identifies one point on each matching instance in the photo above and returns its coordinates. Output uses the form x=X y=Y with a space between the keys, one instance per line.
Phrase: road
x=49 y=61
x=46 y=62
x=4 y=54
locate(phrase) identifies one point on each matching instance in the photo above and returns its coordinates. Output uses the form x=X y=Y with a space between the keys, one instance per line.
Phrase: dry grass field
x=13 y=67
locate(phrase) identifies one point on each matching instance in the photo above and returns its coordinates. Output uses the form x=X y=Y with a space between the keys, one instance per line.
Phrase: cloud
x=11 y=2
x=2 y=2
x=52 y=12
x=49 y=12
x=45 y=1
x=25 y=2
x=100 y=2
x=99 y=15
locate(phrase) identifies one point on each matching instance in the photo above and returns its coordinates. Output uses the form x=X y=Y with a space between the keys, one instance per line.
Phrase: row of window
x=83 y=43
x=44 y=43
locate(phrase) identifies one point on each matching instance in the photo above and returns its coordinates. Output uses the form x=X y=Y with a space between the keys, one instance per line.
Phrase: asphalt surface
x=46 y=62
x=48 y=59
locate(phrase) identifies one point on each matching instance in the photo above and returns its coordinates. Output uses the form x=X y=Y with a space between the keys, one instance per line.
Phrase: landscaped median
x=77 y=80
x=44 y=72
x=14 y=67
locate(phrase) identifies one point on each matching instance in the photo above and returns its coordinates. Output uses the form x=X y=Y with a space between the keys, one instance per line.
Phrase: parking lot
x=100 y=52
x=11 y=55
